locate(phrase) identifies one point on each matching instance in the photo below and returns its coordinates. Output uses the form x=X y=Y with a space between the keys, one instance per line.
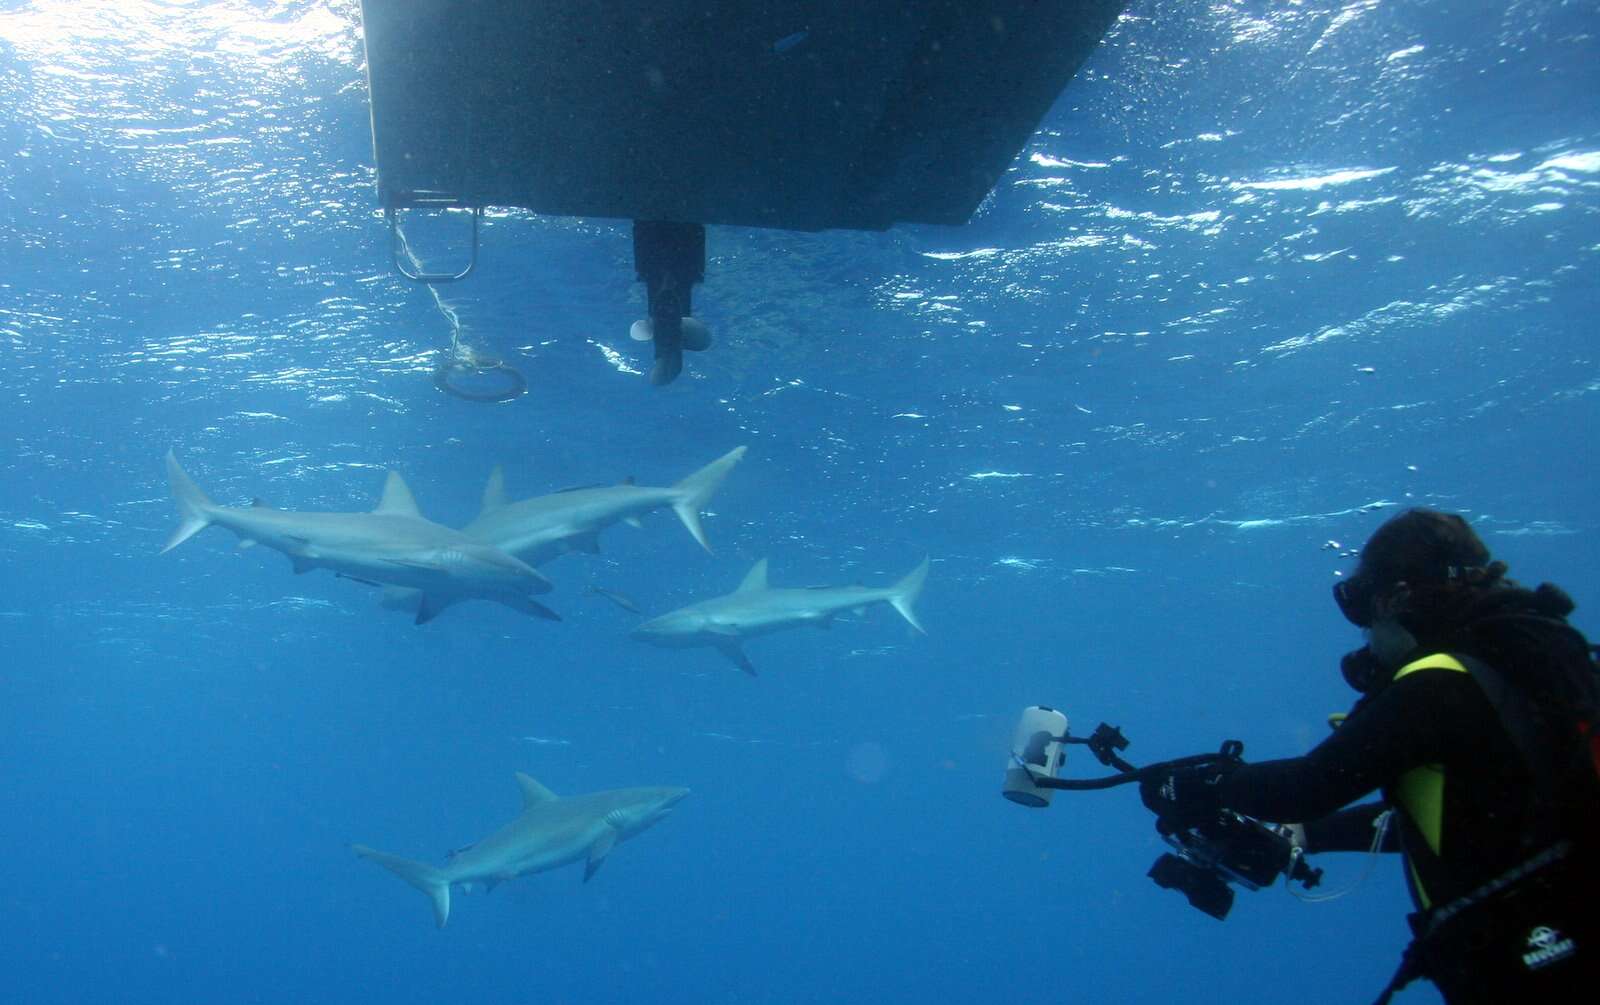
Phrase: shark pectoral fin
x=588 y=543
x=533 y=793
x=431 y=606
x=421 y=875
x=538 y=610
x=527 y=606
x=598 y=851
x=731 y=648
x=303 y=557
x=634 y=522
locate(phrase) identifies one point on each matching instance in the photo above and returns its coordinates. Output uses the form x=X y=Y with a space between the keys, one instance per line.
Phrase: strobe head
x=1036 y=752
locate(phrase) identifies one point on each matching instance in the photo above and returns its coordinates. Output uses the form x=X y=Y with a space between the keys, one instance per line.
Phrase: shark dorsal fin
x=494 y=493
x=532 y=792
x=397 y=499
x=755 y=579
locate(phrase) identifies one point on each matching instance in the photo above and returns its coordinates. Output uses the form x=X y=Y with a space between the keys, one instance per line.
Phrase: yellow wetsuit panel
x=1420 y=791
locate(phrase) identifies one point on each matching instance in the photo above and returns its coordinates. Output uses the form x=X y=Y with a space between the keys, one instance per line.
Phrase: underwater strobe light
x=1037 y=752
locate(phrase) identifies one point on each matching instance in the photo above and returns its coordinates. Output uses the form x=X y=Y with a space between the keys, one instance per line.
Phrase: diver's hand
x=1183 y=797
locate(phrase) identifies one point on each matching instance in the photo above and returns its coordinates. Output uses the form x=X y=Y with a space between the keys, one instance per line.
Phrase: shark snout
x=650 y=631
x=671 y=630
x=670 y=797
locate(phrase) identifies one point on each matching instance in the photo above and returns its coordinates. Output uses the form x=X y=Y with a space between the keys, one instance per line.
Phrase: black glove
x=1183 y=797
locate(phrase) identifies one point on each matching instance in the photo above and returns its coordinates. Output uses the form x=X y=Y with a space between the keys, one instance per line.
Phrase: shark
x=755 y=608
x=550 y=832
x=541 y=528
x=393 y=545
x=544 y=527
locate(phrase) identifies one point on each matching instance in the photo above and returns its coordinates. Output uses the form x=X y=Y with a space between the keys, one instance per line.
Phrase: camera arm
x=1128 y=773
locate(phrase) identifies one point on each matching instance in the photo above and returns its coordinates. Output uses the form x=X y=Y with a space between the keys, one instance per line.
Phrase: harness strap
x=1430 y=924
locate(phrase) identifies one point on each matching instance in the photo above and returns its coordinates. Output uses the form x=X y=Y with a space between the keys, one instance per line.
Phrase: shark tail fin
x=903 y=595
x=421 y=875
x=696 y=490
x=194 y=505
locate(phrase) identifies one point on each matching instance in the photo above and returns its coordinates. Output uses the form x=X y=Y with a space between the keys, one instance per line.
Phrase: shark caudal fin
x=421 y=875
x=903 y=595
x=194 y=506
x=696 y=490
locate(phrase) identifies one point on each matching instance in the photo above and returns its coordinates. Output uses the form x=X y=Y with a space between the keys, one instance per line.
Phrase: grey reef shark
x=755 y=608
x=391 y=546
x=545 y=527
x=550 y=832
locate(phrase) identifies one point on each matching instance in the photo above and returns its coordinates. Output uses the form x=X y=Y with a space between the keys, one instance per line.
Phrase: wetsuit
x=1428 y=721
x=1425 y=718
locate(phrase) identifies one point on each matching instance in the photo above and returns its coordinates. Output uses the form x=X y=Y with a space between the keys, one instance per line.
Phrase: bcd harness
x=1567 y=794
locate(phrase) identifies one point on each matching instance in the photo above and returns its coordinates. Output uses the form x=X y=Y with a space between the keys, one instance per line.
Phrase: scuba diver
x=1477 y=723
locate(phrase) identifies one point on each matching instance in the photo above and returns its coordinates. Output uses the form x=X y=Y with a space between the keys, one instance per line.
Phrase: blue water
x=1265 y=273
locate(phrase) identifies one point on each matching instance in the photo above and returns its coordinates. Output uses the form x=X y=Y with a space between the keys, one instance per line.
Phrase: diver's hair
x=1439 y=609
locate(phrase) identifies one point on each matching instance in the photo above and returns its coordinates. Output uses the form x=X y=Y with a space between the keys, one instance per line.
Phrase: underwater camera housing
x=1232 y=849
x=1207 y=860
